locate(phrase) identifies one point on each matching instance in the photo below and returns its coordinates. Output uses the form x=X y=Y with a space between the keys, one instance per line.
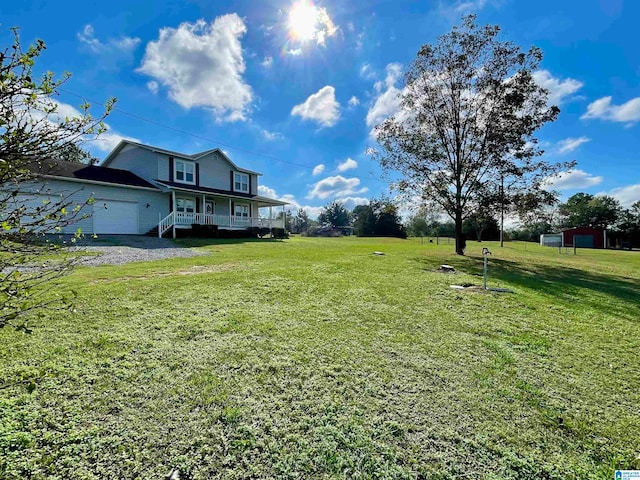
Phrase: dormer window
x=241 y=182
x=184 y=172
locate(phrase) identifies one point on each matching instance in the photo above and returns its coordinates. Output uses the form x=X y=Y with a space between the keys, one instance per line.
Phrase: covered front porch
x=199 y=206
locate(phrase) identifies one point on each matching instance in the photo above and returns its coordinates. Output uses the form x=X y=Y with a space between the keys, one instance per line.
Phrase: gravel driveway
x=120 y=249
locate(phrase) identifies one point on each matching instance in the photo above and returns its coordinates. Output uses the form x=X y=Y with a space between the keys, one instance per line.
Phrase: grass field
x=314 y=358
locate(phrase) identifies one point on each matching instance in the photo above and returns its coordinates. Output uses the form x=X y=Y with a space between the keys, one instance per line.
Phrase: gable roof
x=124 y=142
x=80 y=171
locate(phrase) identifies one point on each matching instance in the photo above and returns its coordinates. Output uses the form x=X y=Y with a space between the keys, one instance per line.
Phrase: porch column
x=230 y=213
x=203 y=209
x=284 y=219
x=173 y=210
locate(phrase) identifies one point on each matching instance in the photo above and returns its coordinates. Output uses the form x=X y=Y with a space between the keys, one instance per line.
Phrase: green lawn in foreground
x=314 y=358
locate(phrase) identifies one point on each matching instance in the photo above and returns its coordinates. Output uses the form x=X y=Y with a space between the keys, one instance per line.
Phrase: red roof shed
x=585 y=237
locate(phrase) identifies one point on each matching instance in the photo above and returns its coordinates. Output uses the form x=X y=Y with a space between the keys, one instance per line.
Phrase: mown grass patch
x=314 y=358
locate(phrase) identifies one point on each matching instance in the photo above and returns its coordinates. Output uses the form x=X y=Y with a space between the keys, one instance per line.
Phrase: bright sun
x=303 y=20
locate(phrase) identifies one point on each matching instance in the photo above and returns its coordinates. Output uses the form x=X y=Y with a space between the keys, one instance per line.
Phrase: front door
x=209 y=208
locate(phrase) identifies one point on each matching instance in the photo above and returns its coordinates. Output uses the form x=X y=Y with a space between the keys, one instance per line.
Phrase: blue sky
x=296 y=99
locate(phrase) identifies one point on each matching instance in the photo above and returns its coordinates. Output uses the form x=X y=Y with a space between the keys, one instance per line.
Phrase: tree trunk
x=502 y=211
x=460 y=237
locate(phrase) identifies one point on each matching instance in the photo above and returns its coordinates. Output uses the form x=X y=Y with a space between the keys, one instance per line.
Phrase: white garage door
x=111 y=216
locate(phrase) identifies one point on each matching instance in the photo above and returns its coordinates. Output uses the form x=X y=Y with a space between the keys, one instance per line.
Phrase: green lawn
x=314 y=358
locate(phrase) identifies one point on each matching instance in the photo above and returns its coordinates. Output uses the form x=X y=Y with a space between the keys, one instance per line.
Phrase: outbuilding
x=584 y=237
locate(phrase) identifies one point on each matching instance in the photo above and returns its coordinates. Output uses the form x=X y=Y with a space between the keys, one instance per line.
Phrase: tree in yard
x=334 y=214
x=479 y=222
x=417 y=226
x=468 y=113
x=75 y=153
x=629 y=225
x=380 y=219
x=585 y=210
x=423 y=222
x=33 y=134
x=364 y=221
x=300 y=222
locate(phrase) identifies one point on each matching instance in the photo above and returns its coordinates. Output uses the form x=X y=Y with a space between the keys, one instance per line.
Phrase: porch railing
x=224 y=221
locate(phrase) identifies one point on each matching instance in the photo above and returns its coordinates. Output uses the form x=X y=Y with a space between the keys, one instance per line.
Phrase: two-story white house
x=140 y=189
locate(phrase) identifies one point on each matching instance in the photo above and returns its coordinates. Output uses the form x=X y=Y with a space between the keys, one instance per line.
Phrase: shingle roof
x=94 y=173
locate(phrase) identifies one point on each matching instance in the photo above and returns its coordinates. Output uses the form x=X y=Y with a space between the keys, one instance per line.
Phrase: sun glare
x=303 y=20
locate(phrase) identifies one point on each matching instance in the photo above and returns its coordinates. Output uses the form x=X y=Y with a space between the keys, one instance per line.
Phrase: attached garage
x=115 y=217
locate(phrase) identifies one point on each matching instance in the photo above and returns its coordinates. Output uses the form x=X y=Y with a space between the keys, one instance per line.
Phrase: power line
x=200 y=137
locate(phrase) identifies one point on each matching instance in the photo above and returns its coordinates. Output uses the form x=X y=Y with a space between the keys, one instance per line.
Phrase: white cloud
x=348 y=164
x=293 y=206
x=354 y=102
x=338 y=186
x=453 y=9
x=202 y=65
x=628 y=112
x=320 y=107
x=104 y=143
x=558 y=89
x=153 y=86
x=388 y=101
x=462 y=6
x=572 y=180
x=266 y=191
x=351 y=202
x=267 y=30
x=367 y=71
x=267 y=135
x=627 y=196
x=570 y=144
x=294 y=52
x=267 y=62
x=122 y=44
x=110 y=139
x=318 y=169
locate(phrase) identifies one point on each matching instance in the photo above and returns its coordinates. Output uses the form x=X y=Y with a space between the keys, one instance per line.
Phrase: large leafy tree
x=380 y=218
x=334 y=214
x=34 y=133
x=468 y=114
x=586 y=210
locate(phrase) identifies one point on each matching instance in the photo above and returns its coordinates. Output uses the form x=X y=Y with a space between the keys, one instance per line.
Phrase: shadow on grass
x=565 y=283
x=203 y=242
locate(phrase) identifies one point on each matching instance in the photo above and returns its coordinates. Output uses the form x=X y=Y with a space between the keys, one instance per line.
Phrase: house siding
x=141 y=161
x=79 y=193
x=163 y=166
x=214 y=172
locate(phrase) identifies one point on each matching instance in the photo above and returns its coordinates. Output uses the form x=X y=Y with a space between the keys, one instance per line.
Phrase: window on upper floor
x=184 y=172
x=241 y=182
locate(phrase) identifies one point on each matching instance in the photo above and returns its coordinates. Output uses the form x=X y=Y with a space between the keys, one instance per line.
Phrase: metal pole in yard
x=485 y=254
x=484 y=283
